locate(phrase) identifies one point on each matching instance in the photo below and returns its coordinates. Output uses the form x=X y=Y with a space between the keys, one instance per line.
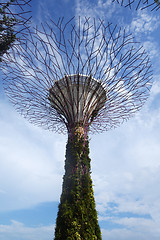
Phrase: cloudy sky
x=125 y=161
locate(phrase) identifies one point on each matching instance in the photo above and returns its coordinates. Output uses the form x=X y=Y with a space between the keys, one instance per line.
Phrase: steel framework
x=73 y=56
x=79 y=76
x=140 y=4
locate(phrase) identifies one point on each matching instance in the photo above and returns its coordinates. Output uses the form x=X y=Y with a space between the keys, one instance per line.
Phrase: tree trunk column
x=77 y=216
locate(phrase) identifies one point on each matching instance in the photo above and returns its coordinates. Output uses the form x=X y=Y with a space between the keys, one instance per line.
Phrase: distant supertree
x=14 y=19
x=140 y=4
x=77 y=77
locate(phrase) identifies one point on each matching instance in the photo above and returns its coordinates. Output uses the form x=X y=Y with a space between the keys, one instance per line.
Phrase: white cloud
x=99 y=9
x=144 y=26
x=18 y=231
x=125 y=234
x=144 y=23
x=31 y=162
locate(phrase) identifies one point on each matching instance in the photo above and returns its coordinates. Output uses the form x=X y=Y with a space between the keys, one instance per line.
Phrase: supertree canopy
x=78 y=76
x=87 y=73
x=140 y=4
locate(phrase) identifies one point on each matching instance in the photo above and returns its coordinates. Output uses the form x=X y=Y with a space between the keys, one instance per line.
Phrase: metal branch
x=80 y=72
x=140 y=4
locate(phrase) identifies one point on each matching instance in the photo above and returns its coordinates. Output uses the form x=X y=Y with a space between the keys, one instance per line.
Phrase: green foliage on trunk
x=77 y=216
x=7 y=23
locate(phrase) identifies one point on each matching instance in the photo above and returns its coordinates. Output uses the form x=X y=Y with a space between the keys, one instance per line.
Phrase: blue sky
x=125 y=161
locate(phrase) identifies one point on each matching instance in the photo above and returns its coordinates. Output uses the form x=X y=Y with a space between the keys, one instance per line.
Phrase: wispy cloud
x=145 y=26
x=144 y=23
x=17 y=230
x=99 y=9
x=32 y=162
x=125 y=234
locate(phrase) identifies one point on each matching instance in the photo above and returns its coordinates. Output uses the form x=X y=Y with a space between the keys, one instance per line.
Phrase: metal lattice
x=54 y=67
x=140 y=4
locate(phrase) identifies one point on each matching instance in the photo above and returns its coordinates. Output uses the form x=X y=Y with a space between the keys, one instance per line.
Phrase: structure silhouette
x=77 y=77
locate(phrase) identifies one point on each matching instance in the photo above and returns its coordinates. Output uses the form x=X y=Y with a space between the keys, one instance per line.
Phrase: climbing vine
x=77 y=216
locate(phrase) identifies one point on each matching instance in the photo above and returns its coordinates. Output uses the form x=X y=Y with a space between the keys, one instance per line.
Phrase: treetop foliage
x=7 y=23
x=10 y=22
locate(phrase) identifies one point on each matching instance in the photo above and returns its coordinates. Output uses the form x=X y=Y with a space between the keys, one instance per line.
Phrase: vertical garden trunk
x=77 y=216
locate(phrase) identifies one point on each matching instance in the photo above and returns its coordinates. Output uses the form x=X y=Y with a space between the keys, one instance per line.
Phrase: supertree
x=140 y=4
x=77 y=77
x=14 y=18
